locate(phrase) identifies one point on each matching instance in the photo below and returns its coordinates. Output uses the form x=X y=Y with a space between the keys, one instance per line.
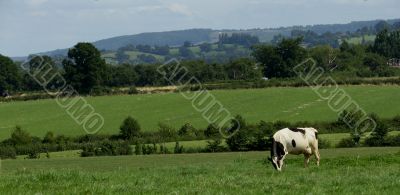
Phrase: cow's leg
x=306 y=159
x=281 y=161
x=317 y=156
x=316 y=152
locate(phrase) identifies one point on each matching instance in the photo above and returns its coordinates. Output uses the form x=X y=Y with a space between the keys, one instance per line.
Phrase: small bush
x=100 y=90
x=33 y=154
x=88 y=150
x=7 y=152
x=133 y=90
x=178 y=149
x=130 y=128
x=347 y=143
x=215 y=146
x=106 y=148
x=212 y=131
x=393 y=140
x=323 y=144
x=138 y=149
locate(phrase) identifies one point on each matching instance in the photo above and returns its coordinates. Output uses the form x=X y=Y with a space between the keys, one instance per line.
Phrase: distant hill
x=177 y=38
x=171 y=38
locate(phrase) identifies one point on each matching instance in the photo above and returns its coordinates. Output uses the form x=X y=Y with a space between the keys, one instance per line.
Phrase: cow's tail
x=315 y=132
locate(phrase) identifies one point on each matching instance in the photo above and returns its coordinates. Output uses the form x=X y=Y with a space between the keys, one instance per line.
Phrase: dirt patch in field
x=157 y=89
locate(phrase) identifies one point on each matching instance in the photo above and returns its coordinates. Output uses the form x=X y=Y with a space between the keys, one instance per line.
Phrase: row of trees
x=364 y=60
x=86 y=71
x=243 y=39
x=256 y=136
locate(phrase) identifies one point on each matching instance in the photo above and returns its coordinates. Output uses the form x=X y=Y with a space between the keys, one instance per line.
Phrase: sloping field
x=291 y=104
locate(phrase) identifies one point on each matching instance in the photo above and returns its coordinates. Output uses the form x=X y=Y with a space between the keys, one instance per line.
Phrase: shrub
x=33 y=154
x=92 y=138
x=212 y=131
x=166 y=133
x=323 y=144
x=281 y=124
x=163 y=149
x=20 y=137
x=100 y=90
x=187 y=130
x=49 y=138
x=150 y=149
x=88 y=150
x=239 y=140
x=393 y=140
x=7 y=152
x=138 y=149
x=133 y=90
x=347 y=143
x=178 y=149
x=215 y=146
x=129 y=129
x=106 y=148
x=377 y=137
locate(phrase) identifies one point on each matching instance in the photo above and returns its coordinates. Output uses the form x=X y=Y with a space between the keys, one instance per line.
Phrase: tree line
x=131 y=139
x=88 y=73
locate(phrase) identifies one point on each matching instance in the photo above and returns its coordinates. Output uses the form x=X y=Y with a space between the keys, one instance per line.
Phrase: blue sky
x=31 y=26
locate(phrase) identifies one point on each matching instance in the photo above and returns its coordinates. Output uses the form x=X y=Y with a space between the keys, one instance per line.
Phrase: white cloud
x=180 y=9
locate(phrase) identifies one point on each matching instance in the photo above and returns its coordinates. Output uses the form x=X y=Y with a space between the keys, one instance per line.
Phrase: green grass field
x=291 y=104
x=358 y=40
x=342 y=171
x=333 y=139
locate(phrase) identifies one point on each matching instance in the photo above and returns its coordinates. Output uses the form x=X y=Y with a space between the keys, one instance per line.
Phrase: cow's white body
x=294 y=141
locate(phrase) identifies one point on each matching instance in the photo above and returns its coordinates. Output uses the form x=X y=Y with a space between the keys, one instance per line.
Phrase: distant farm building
x=394 y=62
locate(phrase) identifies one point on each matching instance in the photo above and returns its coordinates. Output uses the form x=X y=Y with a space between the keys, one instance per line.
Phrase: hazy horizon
x=32 y=26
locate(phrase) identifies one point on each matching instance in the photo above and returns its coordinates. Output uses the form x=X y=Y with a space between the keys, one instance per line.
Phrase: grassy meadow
x=358 y=40
x=270 y=104
x=342 y=171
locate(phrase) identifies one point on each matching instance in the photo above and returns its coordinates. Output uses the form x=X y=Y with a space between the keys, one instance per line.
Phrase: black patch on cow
x=298 y=130
x=316 y=135
x=293 y=143
x=280 y=150
x=277 y=149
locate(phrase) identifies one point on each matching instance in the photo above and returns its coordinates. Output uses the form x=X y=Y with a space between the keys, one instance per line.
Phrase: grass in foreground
x=348 y=171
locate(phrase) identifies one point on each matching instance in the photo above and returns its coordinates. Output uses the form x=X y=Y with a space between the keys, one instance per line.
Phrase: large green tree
x=279 y=60
x=84 y=68
x=243 y=69
x=130 y=128
x=10 y=77
x=43 y=68
x=387 y=44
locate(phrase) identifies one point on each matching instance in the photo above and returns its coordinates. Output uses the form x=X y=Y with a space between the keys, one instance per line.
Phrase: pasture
x=342 y=171
x=269 y=104
x=358 y=40
x=332 y=138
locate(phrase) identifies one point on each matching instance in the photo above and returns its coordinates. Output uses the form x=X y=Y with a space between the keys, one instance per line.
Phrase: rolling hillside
x=177 y=38
x=270 y=104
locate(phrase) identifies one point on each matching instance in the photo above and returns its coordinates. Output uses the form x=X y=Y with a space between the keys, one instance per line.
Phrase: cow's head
x=277 y=154
x=275 y=163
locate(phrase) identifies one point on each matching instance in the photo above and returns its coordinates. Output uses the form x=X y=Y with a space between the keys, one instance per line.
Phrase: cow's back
x=296 y=142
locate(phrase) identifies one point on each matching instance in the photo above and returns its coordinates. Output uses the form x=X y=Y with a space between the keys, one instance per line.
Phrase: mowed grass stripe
x=270 y=104
x=342 y=171
x=110 y=163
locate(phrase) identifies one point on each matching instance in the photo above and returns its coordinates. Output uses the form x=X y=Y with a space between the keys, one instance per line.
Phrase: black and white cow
x=294 y=141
